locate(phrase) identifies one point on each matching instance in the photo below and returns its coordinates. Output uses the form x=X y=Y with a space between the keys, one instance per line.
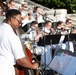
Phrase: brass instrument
x=42 y=31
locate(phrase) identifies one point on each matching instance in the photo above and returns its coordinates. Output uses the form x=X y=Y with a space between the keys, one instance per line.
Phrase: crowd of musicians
x=33 y=26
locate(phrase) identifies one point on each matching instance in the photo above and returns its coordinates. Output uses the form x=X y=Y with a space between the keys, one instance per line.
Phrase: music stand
x=71 y=37
x=48 y=40
x=54 y=38
x=64 y=63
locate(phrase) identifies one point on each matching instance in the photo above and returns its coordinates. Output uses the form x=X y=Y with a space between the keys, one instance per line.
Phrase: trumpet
x=41 y=31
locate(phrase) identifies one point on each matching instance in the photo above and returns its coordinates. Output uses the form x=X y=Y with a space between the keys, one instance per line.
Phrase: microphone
x=55 y=13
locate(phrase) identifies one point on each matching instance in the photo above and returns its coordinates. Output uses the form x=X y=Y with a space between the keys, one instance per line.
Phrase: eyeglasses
x=18 y=20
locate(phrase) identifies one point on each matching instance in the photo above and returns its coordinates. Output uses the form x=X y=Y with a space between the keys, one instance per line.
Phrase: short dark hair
x=11 y=13
x=67 y=20
x=47 y=22
x=34 y=22
x=59 y=22
x=11 y=1
x=35 y=8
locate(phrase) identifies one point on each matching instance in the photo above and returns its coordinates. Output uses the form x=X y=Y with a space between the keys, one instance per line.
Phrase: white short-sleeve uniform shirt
x=10 y=49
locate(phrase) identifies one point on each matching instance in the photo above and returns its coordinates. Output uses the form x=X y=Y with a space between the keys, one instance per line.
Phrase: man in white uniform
x=38 y=15
x=11 y=50
x=27 y=15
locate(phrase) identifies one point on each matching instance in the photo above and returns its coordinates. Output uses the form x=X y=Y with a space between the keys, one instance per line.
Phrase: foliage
x=70 y=5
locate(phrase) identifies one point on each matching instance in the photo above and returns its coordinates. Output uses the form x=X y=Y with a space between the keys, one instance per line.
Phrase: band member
x=27 y=15
x=60 y=28
x=48 y=28
x=38 y=14
x=68 y=26
x=11 y=50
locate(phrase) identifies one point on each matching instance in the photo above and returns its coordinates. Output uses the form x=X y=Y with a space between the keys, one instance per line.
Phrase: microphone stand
x=68 y=35
x=44 y=69
x=44 y=65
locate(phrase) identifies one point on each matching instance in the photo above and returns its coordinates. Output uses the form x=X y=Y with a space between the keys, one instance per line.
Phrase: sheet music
x=64 y=64
x=55 y=64
x=70 y=66
x=62 y=39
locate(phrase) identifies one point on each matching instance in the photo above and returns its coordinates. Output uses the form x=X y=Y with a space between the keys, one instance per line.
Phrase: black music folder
x=49 y=39
x=69 y=37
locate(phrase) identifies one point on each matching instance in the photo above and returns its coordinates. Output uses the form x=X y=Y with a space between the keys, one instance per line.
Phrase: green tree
x=70 y=5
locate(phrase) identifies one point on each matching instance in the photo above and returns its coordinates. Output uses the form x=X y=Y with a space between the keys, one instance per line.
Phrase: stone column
x=21 y=1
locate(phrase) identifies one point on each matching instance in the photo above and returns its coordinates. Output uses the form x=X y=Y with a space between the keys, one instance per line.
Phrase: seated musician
x=12 y=4
x=24 y=13
x=60 y=28
x=69 y=28
x=68 y=25
x=27 y=15
x=48 y=27
x=38 y=14
x=47 y=30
